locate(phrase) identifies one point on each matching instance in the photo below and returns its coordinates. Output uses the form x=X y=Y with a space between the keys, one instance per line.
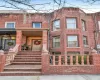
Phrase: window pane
x=71 y=20
x=72 y=41
x=72 y=26
x=37 y=25
x=99 y=24
x=56 y=25
x=85 y=40
x=56 y=42
x=10 y=25
x=83 y=25
x=71 y=23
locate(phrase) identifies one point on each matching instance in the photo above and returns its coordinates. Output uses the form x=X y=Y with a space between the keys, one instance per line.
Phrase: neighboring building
x=69 y=30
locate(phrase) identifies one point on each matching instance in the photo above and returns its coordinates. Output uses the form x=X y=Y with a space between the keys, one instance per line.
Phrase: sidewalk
x=52 y=77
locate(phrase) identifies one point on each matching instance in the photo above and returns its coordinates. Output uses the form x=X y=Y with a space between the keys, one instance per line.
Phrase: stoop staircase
x=25 y=63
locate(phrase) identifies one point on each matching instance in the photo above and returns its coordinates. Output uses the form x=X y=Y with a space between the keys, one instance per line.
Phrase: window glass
x=85 y=40
x=83 y=25
x=71 y=23
x=56 y=41
x=72 y=41
x=37 y=25
x=10 y=25
x=99 y=24
x=56 y=25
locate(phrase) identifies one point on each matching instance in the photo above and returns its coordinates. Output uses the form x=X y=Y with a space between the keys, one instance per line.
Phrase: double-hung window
x=72 y=41
x=71 y=23
x=56 y=25
x=56 y=42
x=83 y=25
x=10 y=25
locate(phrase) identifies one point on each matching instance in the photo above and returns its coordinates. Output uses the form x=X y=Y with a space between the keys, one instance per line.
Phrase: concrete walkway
x=52 y=77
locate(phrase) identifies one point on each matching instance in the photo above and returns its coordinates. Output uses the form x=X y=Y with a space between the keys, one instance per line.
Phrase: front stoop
x=24 y=64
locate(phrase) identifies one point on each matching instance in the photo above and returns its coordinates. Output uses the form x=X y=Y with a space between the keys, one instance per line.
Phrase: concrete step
x=19 y=57
x=29 y=51
x=20 y=73
x=11 y=66
x=35 y=69
x=28 y=63
x=28 y=56
x=26 y=60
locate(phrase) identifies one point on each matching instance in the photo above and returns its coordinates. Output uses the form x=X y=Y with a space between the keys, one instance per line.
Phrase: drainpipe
x=48 y=39
x=49 y=18
x=95 y=32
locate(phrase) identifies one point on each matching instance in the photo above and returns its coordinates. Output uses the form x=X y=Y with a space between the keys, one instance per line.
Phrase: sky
x=50 y=5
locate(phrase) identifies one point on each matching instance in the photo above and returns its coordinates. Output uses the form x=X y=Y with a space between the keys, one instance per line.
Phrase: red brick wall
x=71 y=69
x=2 y=62
x=23 y=20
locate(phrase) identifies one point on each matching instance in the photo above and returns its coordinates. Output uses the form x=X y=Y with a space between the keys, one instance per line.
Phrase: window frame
x=71 y=18
x=53 y=24
x=53 y=42
x=9 y=22
x=86 y=41
x=99 y=25
x=37 y=22
x=77 y=41
x=85 y=29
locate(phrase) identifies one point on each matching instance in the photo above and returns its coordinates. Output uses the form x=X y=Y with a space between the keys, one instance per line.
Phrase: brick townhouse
x=64 y=31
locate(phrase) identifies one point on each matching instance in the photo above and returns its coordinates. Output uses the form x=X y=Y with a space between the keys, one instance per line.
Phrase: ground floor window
x=56 y=42
x=72 y=41
x=7 y=42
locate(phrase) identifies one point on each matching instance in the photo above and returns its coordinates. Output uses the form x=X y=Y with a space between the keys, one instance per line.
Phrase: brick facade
x=25 y=21
x=25 y=34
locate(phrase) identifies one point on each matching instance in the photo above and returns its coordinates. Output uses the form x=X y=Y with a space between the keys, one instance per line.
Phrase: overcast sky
x=87 y=7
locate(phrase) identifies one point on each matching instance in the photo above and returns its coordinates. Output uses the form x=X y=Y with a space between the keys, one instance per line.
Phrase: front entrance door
x=36 y=45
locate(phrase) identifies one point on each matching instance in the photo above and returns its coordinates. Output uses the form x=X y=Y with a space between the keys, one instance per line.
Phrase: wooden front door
x=36 y=45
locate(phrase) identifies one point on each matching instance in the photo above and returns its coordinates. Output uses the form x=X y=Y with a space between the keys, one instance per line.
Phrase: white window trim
x=37 y=22
x=9 y=22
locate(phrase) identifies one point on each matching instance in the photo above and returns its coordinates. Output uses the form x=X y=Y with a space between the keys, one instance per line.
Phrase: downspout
x=95 y=32
x=49 y=18
x=48 y=40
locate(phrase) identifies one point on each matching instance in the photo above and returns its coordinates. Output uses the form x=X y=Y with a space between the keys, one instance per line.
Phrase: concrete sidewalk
x=52 y=77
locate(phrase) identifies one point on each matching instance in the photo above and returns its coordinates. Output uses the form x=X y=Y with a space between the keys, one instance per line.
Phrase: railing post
x=88 y=60
x=59 y=60
x=82 y=59
x=71 y=59
x=53 y=59
x=77 y=60
x=65 y=59
x=2 y=60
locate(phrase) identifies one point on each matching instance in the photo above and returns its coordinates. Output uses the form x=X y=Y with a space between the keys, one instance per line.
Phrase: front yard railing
x=70 y=60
